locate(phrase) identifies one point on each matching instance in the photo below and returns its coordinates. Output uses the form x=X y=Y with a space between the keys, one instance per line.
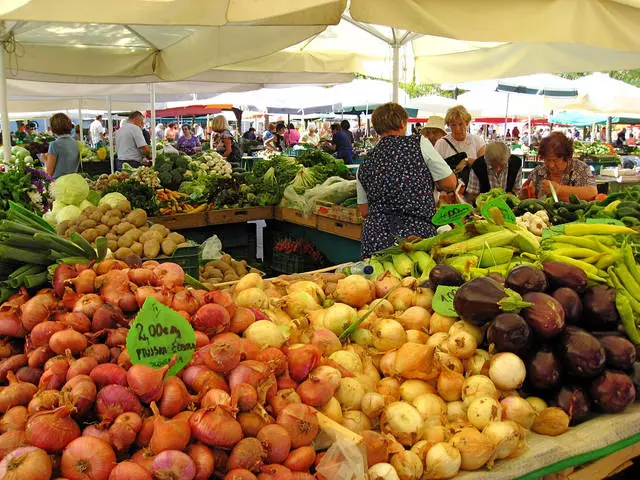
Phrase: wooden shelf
x=339 y=228
x=213 y=217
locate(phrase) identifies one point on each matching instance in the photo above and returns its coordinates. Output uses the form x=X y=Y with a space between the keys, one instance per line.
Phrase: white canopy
x=431 y=104
x=488 y=103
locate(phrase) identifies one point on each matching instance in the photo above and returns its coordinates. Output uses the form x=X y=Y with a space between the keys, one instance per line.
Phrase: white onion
x=416 y=336
x=402 y=298
x=403 y=421
x=389 y=387
x=388 y=334
x=252 y=297
x=332 y=410
x=477 y=386
x=415 y=318
x=348 y=360
x=338 y=317
x=461 y=344
x=356 y=421
x=431 y=407
x=467 y=327
x=354 y=290
x=450 y=362
x=505 y=436
x=507 y=371
x=408 y=465
x=442 y=461
x=383 y=471
x=476 y=364
x=421 y=448
x=423 y=297
x=440 y=324
x=312 y=288
x=325 y=372
x=383 y=307
x=484 y=410
x=412 y=389
x=372 y=404
x=519 y=410
x=264 y=333
x=297 y=304
x=537 y=403
x=349 y=393
x=250 y=280
x=435 y=434
x=370 y=370
x=368 y=383
x=456 y=412
x=437 y=340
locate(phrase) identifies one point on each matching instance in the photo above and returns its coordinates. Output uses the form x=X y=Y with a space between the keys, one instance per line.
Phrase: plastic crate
x=291 y=263
x=187 y=257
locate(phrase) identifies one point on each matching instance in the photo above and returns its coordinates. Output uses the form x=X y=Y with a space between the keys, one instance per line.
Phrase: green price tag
x=501 y=205
x=453 y=213
x=157 y=334
x=443 y=300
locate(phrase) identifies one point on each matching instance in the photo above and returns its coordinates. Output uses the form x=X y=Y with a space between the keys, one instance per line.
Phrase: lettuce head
x=112 y=199
x=71 y=189
x=70 y=212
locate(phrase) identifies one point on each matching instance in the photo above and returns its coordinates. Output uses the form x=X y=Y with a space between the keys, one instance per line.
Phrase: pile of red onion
x=74 y=406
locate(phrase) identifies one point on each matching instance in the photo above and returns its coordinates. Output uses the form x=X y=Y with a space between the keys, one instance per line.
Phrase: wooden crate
x=292 y=215
x=239 y=215
x=338 y=212
x=182 y=221
x=339 y=228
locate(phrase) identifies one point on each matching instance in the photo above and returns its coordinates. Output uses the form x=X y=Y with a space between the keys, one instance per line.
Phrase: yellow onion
x=349 y=393
x=356 y=421
x=388 y=334
x=450 y=385
x=435 y=434
x=370 y=370
x=519 y=410
x=312 y=288
x=552 y=421
x=423 y=297
x=402 y=298
x=332 y=410
x=420 y=448
x=403 y=421
x=507 y=371
x=449 y=361
x=252 y=297
x=477 y=386
x=461 y=325
x=372 y=404
x=264 y=333
x=316 y=318
x=349 y=360
x=456 y=412
x=354 y=290
x=442 y=461
x=389 y=387
x=368 y=383
x=413 y=357
x=438 y=340
x=478 y=363
x=382 y=307
x=382 y=471
x=388 y=363
x=440 y=324
x=277 y=316
x=416 y=336
x=484 y=410
x=362 y=336
x=475 y=448
x=250 y=280
x=432 y=408
x=415 y=318
x=384 y=284
x=461 y=344
x=299 y=303
x=412 y=389
x=505 y=436
x=338 y=317
x=537 y=403
x=407 y=464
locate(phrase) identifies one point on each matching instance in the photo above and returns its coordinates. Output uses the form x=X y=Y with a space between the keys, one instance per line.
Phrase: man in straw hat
x=434 y=129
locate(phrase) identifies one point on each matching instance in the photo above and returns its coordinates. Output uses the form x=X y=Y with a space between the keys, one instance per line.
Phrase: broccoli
x=176 y=177
x=181 y=162
x=165 y=178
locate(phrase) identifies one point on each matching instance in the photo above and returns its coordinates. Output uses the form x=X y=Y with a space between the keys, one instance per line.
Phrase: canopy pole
x=530 y=130
x=110 y=127
x=506 y=114
x=80 y=119
x=4 y=104
x=396 y=70
x=153 y=121
x=609 y=128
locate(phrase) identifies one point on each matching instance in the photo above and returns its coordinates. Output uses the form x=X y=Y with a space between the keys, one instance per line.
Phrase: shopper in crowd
x=346 y=128
x=146 y=134
x=63 y=156
x=277 y=142
x=602 y=136
x=160 y=132
x=567 y=174
x=188 y=143
x=222 y=141
x=96 y=132
x=631 y=141
x=396 y=183
x=342 y=143
x=434 y=129
x=198 y=131
x=622 y=138
x=515 y=133
x=460 y=148
x=325 y=130
x=416 y=128
x=131 y=146
x=311 y=137
x=249 y=134
x=292 y=135
x=269 y=132
x=497 y=168
x=171 y=132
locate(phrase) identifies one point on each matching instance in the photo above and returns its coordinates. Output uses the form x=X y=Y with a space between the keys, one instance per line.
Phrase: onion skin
x=276 y=441
x=114 y=400
x=301 y=459
x=14 y=419
x=225 y=353
x=52 y=430
x=17 y=393
x=301 y=422
x=240 y=474
x=12 y=364
x=215 y=428
x=82 y=392
x=302 y=360
x=87 y=458
x=98 y=351
x=275 y=472
x=129 y=471
x=108 y=374
x=147 y=382
x=26 y=463
x=175 y=397
x=9 y=441
x=124 y=430
x=204 y=460
x=248 y=453
x=171 y=434
x=173 y=464
x=211 y=319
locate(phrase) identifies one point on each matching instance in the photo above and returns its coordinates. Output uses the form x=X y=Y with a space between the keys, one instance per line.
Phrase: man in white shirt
x=96 y=131
x=131 y=147
x=199 y=132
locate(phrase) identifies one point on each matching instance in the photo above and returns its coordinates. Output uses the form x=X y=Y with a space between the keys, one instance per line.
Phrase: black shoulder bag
x=454 y=160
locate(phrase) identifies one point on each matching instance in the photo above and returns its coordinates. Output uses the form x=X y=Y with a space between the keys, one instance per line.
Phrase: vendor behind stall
x=567 y=174
x=497 y=168
x=396 y=183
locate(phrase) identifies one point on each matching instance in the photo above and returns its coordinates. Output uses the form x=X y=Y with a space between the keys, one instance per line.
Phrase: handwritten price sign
x=501 y=205
x=454 y=213
x=443 y=300
x=157 y=334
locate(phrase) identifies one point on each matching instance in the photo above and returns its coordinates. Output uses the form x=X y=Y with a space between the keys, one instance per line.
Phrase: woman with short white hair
x=497 y=168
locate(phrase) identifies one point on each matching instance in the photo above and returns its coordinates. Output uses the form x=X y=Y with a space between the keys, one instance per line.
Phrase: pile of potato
x=225 y=269
x=126 y=230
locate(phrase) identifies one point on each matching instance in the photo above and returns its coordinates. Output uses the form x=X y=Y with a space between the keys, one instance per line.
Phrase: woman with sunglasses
x=188 y=143
x=567 y=175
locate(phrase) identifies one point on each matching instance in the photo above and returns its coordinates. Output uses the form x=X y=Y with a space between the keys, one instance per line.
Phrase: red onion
x=248 y=453
x=244 y=396
x=124 y=360
x=61 y=274
x=81 y=391
x=201 y=339
x=274 y=358
x=36 y=359
x=185 y=301
x=276 y=441
x=43 y=331
x=224 y=352
x=99 y=351
x=252 y=422
x=285 y=381
x=168 y=434
x=107 y=316
x=301 y=422
x=216 y=428
x=96 y=430
x=315 y=392
x=199 y=378
x=68 y=339
x=200 y=355
x=108 y=374
x=250 y=350
x=282 y=398
x=144 y=458
x=30 y=463
x=17 y=393
x=29 y=375
x=37 y=309
x=10 y=441
x=249 y=371
x=124 y=430
x=84 y=282
x=43 y=400
x=241 y=319
x=76 y=320
x=204 y=460
x=14 y=419
x=302 y=360
x=82 y=366
x=175 y=397
x=223 y=298
x=129 y=471
x=169 y=275
x=146 y=432
x=160 y=294
x=114 y=400
x=52 y=430
x=116 y=337
x=11 y=323
x=211 y=319
x=88 y=304
x=173 y=464
x=141 y=276
x=215 y=397
x=13 y=363
x=87 y=458
x=275 y=472
x=148 y=382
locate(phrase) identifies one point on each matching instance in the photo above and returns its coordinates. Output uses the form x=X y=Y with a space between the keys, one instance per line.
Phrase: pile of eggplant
x=568 y=334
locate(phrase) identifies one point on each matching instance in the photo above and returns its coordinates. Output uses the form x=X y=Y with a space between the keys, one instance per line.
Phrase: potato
x=110 y=220
x=111 y=236
x=124 y=206
x=151 y=234
x=123 y=253
x=164 y=231
x=104 y=208
x=80 y=218
x=135 y=234
x=95 y=215
x=87 y=224
x=176 y=238
x=168 y=246
x=226 y=258
x=125 y=241
x=102 y=230
x=72 y=229
x=90 y=235
x=137 y=248
x=239 y=267
x=123 y=227
x=230 y=277
x=112 y=245
x=144 y=228
x=89 y=210
x=62 y=227
x=138 y=217
x=151 y=248
x=183 y=244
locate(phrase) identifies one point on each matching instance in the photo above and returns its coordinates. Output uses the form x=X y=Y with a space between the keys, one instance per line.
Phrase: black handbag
x=455 y=159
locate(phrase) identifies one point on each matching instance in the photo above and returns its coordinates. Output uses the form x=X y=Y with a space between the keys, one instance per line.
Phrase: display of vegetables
x=208 y=163
x=71 y=197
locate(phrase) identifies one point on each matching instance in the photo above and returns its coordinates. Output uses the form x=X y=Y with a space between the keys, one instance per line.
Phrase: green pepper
x=626 y=316
x=630 y=221
x=574 y=199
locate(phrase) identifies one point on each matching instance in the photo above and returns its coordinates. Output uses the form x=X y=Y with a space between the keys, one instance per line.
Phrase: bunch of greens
x=284 y=169
x=27 y=186
x=309 y=158
x=171 y=168
x=138 y=194
x=483 y=198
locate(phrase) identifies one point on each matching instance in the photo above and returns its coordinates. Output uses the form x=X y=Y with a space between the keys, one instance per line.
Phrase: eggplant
x=621 y=353
x=613 y=391
x=524 y=279
x=583 y=356
x=571 y=303
x=510 y=333
x=574 y=401
x=565 y=275
x=544 y=369
x=480 y=300
x=635 y=376
x=497 y=277
x=545 y=316
x=600 y=312
x=445 y=275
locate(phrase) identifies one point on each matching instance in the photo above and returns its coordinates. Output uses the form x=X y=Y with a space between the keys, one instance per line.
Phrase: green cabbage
x=84 y=204
x=71 y=189
x=112 y=199
x=49 y=217
x=57 y=206
x=70 y=212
